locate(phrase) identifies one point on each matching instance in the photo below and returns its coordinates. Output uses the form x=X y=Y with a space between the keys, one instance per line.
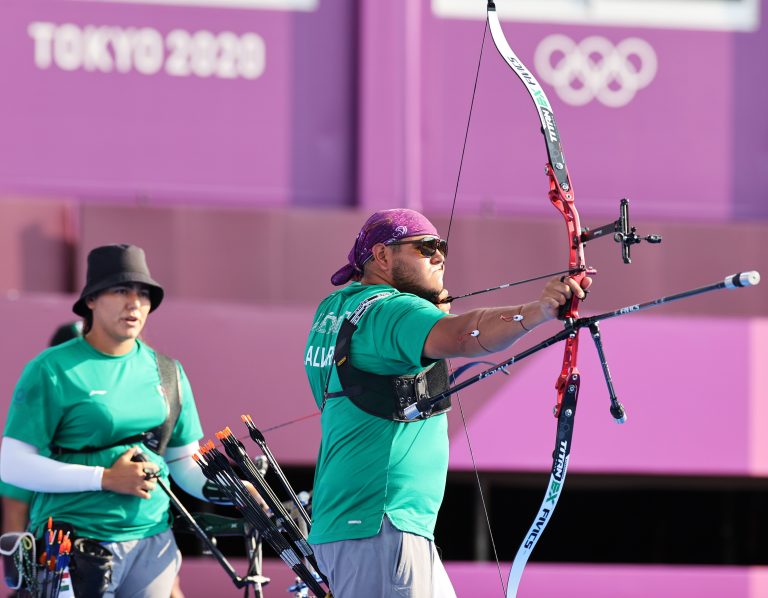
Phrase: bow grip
x=564 y=309
x=569 y=307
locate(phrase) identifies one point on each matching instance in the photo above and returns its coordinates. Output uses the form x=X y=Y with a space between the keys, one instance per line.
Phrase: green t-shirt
x=74 y=396
x=369 y=466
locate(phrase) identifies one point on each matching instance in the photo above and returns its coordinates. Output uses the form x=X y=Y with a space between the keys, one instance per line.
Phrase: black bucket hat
x=113 y=265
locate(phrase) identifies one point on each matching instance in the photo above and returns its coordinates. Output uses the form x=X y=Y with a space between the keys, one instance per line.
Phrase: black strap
x=157 y=439
x=352 y=321
x=386 y=396
x=382 y=396
x=61 y=450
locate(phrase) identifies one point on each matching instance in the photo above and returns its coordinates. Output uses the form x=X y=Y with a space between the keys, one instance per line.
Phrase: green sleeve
x=390 y=338
x=36 y=407
x=188 y=428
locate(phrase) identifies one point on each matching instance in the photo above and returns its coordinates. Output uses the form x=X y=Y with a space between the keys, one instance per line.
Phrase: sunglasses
x=427 y=246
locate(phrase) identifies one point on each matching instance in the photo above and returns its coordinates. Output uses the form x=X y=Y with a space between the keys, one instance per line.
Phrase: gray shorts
x=144 y=568
x=390 y=564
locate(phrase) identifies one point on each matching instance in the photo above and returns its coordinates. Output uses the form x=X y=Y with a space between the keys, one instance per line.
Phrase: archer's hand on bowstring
x=446 y=307
x=130 y=477
x=557 y=292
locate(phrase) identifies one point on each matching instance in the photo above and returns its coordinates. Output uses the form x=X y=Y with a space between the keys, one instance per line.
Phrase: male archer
x=374 y=345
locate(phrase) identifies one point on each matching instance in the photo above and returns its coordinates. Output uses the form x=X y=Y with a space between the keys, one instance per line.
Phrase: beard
x=405 y=282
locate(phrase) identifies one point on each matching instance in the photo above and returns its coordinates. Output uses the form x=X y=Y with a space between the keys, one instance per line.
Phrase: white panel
x=722 y=15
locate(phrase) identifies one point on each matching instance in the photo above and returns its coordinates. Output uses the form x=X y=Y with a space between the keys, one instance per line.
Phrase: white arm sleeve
x=185 y=472
x=22 y=465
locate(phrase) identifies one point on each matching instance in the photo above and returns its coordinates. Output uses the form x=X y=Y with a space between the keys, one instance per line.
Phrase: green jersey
x=74 y=396
x=369 y=466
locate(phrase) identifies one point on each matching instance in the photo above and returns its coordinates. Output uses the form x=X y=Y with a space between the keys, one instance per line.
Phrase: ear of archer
x=381 y=256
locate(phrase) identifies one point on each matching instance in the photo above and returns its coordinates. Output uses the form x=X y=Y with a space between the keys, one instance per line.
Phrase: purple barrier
x=750 y=95
x=627 y=134
x=286 y=257
x=200 y=578
x=37 y=241
x=238 y=359
x=130 y=101
x=681 y=379
x=366 y=102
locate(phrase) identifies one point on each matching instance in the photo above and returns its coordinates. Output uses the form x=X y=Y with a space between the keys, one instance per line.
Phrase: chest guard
x=386 y=396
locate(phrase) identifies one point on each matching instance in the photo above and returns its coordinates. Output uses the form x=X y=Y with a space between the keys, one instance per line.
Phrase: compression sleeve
x=185 y=472
x=190 y=478
x=22 y=465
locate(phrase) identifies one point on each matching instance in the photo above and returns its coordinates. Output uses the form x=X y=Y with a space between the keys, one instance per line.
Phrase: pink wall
x=286 y=257
x=678 y=384
x=687 y=405
x=37 y=245
x=364 y=103
x=202 y=578
x=178 y=103
x=678 y=154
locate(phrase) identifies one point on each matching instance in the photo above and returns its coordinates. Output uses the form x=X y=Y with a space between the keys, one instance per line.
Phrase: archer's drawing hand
x=130 y=477
x=558 y=291
x=446 y=307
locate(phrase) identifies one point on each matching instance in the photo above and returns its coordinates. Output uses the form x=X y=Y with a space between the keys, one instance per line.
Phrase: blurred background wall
x=242 y=143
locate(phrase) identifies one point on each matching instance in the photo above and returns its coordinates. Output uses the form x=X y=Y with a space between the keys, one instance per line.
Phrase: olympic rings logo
x=595 y=68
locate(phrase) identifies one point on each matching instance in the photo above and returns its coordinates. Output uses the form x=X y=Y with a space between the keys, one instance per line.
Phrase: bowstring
x=447 y=238
x=264 y=431
x=466 y=133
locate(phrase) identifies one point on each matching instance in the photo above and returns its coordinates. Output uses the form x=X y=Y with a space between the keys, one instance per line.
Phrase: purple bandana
x=385 y=227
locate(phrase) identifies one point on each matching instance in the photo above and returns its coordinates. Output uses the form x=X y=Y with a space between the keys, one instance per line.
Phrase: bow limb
x=562 y=197
x=561 y=193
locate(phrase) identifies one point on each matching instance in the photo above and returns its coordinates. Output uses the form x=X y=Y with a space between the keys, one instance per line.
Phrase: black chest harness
x=384 y=396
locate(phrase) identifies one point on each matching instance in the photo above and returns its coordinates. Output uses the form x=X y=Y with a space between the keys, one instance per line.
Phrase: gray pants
x=144 y=568
x=391 y=564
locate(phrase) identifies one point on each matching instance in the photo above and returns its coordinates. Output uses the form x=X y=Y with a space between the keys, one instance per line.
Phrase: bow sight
x=622 y=233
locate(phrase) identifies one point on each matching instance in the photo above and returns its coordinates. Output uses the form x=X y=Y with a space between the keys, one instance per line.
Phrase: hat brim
x=156 y=292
